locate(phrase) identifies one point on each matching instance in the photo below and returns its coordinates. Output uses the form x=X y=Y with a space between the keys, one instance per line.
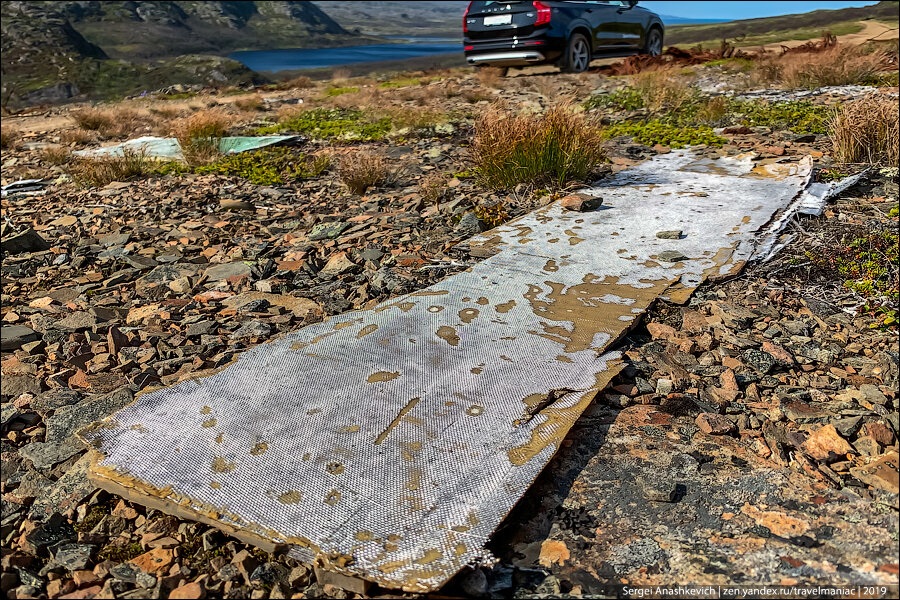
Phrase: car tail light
x=465 y=16
x=543 y=13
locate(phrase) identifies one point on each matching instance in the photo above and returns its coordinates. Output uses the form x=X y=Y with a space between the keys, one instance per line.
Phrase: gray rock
x=759 y=360
x=55 y=530
x=475 y=584
x=672 y=234
x=327 y=231
x=43 y=455
x=226 y=270
x=73 y=556
x=77 y=321
x=27 y=241
x=66 y=493
x=15 y=336
x=671 y=256
x=200 y=328
x=658 y=489
x=470 y=224
x=12 y=386
x=54 y=399
x=68 y=419
x=252 y=329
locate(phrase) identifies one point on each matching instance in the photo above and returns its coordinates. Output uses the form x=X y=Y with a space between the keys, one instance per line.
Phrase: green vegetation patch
x=668 y=134
x=331 y=123
x=622 y=99
x=800 y=116
x=398 y=83
x=121 y=553
x=869 y=264
x=338 y=91
x=269 y=166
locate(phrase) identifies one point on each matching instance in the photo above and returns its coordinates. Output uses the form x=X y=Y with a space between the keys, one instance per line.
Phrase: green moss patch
x=332 y=123
x=655 y=132
x=269 y=166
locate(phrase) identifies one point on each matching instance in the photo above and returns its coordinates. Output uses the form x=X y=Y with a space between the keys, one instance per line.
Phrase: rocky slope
x=53 y=51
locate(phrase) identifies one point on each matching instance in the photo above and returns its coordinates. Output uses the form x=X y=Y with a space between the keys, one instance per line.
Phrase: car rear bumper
x=515 y=52
x=509 y=58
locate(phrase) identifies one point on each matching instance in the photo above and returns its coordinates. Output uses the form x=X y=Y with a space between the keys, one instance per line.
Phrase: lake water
x=286 y=60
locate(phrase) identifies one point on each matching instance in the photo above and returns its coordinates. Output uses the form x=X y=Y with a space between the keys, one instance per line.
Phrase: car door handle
x=589 y=10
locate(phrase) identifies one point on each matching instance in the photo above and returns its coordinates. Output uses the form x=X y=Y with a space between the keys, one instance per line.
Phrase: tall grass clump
x=662 y=91
x=553 y=147
x=200 y=136
x=840 y=65
x=361 y=170
x=866 y=130
x=103 y=170
x=8 y=138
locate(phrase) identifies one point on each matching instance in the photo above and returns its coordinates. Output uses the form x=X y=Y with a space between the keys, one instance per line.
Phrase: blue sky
x=740 y=10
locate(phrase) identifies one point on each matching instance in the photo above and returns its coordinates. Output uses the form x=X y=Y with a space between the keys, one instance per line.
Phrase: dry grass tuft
x=840 y=65
x=433 y=187
x=662 y=90
x=77 y=137
x=339 y=76
x=302 y=82
x=104 y=170
x=112 y=123
x=866 y=130
x=93 y=119
x=9 y=137
x=361 y=170
x=56 y=155
x=553 y=147
x=249 y=103
x=490 y=76
x=200 y=136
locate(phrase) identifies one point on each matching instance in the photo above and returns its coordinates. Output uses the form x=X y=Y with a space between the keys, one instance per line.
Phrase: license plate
x=497 y=20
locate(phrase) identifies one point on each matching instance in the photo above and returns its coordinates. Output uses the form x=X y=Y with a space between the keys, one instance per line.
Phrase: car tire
x=577 y=56
x=653 y=45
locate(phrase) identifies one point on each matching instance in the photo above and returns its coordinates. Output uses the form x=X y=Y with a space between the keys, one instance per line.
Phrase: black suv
x=569 y=34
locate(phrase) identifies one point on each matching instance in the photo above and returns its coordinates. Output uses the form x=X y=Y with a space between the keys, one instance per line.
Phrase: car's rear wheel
x=577 y=56
x=654 y=43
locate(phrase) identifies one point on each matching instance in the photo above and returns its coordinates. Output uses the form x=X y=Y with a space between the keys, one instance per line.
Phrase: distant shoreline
x=437 y=61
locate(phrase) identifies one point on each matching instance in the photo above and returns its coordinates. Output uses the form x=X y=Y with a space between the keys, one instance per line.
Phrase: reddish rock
x=692 y=321
x=156 y=561
x=84 y=577
x=580 y=202
x=89 y=592
x=189 y=591
x=714 y=424
x=782 y=356
x=728 y=380
x=825 y=443
x=658 y=331
x=879 y=432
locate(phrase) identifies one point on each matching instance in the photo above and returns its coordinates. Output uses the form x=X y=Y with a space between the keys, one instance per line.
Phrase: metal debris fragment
x=398 y=438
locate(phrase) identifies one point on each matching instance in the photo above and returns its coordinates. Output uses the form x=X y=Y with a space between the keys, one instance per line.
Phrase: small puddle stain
x=448 y=334
x=349 y=429
x=435 y=308
x=381 y=376
x=505 y=307
x=291 y=497
x=209 y=422
x=332 y=498
x=551 y=266
x=366 y=331
x=475 y=410
x=220 y=465
x=364 y=536
x=334 y=468
x=259 y=448
x=467 y=315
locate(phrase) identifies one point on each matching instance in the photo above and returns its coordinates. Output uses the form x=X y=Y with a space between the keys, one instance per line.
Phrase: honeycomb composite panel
x=390 y=443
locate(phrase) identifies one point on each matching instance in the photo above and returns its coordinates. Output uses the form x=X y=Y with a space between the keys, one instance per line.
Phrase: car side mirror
x=628 y=5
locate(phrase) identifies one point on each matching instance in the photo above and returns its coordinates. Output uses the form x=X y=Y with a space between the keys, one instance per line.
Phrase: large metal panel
x=390 y=443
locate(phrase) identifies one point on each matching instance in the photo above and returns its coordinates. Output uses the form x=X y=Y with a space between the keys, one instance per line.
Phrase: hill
x=773 y=29
x=442 y=18
x=57 y=50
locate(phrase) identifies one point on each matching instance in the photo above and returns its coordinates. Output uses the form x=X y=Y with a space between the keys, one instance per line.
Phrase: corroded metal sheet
x=390 y=443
